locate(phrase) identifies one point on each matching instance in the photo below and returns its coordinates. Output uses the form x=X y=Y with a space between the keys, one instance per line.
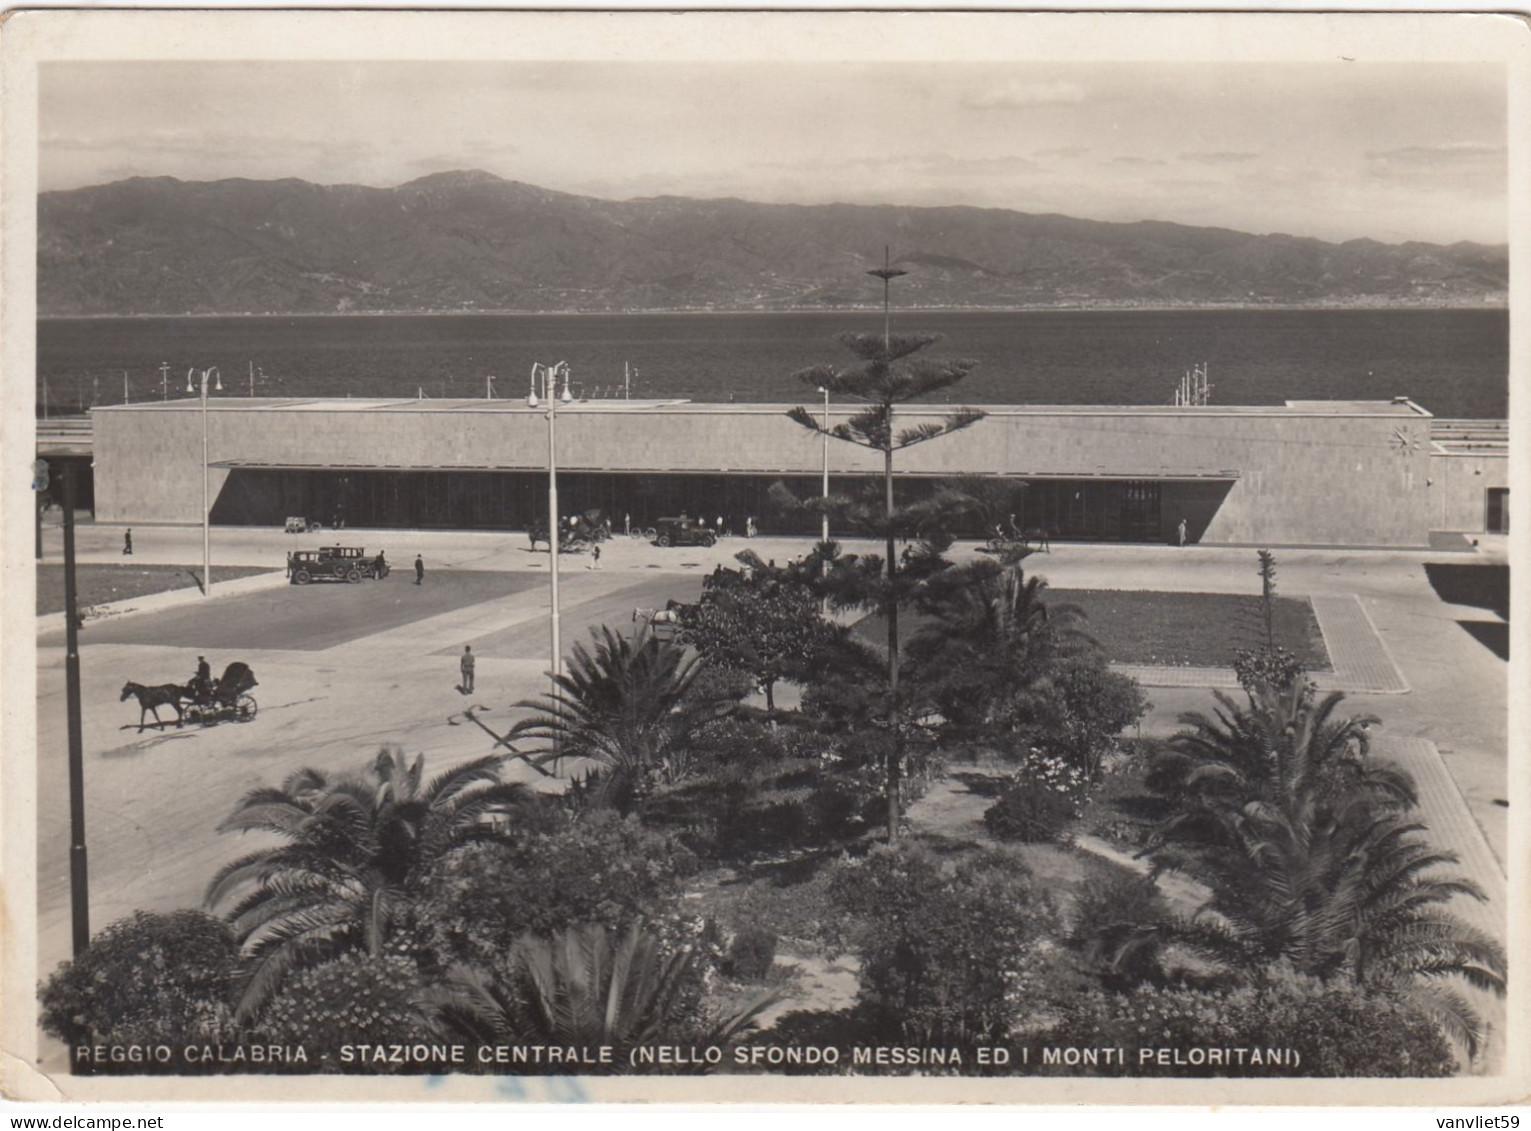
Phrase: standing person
x=1180 y=532
x=127 y=541
x=720 y=526
x=419 y=570
x=595 y=555
x=627 y=525
x=466 y=664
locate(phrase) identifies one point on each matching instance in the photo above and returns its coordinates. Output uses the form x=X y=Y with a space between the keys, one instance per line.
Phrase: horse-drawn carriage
x=666 y=623
x=207 y=701
x=574 y=535
x=224 y=700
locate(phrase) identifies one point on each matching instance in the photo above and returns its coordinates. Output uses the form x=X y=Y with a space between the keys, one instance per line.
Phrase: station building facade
x=1341 y=473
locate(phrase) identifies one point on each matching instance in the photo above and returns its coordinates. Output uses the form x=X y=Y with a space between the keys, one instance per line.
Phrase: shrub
x=715 y=683
x=1334 y=1030
x=357 y=999
x=948 y=956
x=1111 y=912
x=1027 y=813
x=146 y=979
x=1089 y=707
x=758 y=791
x=1267 y=667
x=796 y=901
x=1046 y=797
x=551 y=874
x=751 y=954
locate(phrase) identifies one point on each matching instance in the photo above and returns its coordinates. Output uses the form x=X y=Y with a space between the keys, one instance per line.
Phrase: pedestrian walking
x=1180 y=532
x=127 y=541
x=466 y=664
x=419 y=570
x=595 y=555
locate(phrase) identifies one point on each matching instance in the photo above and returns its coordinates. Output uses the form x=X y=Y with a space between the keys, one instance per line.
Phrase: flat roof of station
x=1162 y=474
x=1398 y=407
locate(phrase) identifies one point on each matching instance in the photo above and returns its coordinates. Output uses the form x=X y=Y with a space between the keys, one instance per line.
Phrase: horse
x=656 y=616
x=151 y=699
x=1036 y=538
x=669 y=619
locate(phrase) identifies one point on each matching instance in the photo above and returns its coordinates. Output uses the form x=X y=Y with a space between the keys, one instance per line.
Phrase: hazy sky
x=1335 y=150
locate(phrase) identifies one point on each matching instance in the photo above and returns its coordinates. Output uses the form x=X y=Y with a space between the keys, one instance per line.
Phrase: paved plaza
x=344 y=669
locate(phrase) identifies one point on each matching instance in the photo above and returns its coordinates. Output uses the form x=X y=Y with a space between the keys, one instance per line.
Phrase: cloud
x=1180 y=183
x=1137 y=162
x=1219 y=157
x=907 y=164
x=491 y=145
x=448 y=163
x=1451 y=155
x=1017 y=95
x=149 y=145
x=1063 y=151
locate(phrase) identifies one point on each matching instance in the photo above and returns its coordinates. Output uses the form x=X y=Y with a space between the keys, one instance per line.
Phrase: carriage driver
x=202 y=682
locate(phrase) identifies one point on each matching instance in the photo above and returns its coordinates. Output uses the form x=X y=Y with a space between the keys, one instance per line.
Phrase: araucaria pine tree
x=884 y=377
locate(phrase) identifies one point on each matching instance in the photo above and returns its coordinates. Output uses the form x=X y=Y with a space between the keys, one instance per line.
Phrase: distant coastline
x=691 y=312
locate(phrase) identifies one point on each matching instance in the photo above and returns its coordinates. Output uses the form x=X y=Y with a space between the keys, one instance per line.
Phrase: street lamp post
x=550 y=394
x=824 y=517
x=824 y=526
x=207 y=555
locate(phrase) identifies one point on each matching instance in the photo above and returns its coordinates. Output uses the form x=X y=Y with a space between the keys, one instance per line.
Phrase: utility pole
x=887 y=273
x=207 y=556
x=552 y=399
x=164 y=380
x=125 y=387
x=79 y=875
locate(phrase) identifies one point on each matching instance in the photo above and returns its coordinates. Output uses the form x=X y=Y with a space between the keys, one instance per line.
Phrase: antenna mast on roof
x=1194 y=388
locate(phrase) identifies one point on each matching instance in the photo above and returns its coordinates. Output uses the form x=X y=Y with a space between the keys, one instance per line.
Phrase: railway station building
x=1330 y=473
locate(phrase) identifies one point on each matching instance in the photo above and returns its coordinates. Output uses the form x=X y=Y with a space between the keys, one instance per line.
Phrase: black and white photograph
x=763 y=556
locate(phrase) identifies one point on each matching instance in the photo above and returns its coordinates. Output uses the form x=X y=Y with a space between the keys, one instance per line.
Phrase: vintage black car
x=682 y=532
x=334 y=563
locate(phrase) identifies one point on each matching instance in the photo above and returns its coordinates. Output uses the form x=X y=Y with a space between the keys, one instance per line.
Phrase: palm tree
x=579 y=989
x=353 y=847
x=623 y=706
x=1311 y=859
x=986 y=653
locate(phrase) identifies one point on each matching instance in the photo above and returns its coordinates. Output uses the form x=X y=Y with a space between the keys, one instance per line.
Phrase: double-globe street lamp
x=548 y=375
x=207 y=557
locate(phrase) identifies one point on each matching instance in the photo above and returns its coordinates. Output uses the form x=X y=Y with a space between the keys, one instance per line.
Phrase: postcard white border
x=29 y=39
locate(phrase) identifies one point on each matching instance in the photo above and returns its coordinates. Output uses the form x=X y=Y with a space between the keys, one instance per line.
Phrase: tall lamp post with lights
x=824 y=525
x=207 y=555
x=548 y=374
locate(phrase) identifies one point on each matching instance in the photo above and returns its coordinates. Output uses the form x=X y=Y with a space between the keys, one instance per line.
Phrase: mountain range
x=471 y=241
